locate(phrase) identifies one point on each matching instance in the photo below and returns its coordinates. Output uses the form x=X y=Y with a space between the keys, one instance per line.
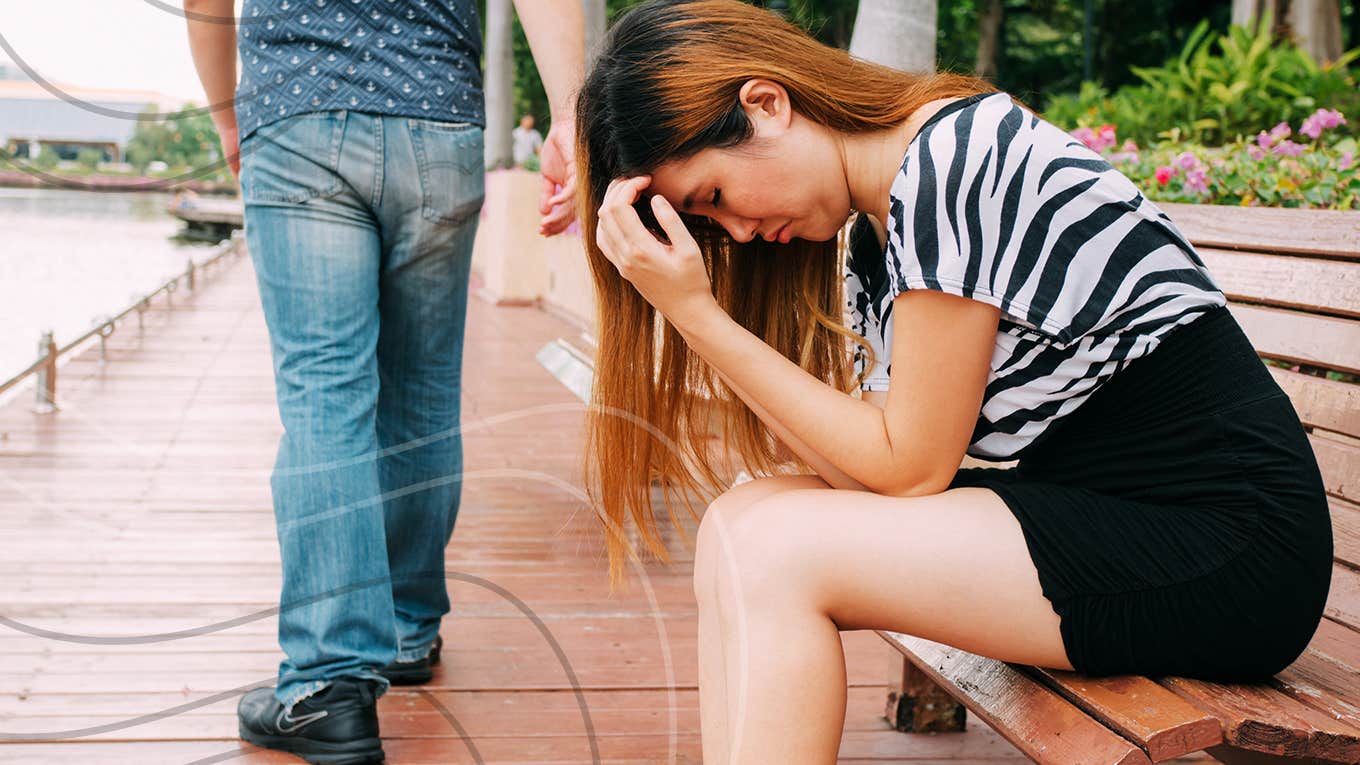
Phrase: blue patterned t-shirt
x=408 y=58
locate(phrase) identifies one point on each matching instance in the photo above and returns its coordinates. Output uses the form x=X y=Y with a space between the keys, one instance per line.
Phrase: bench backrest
x=1293 y=279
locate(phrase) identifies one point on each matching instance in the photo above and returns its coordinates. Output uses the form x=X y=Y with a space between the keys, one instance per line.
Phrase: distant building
x=32 y=117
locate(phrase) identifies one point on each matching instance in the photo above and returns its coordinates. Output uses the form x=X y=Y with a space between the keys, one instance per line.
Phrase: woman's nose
x=742 y=229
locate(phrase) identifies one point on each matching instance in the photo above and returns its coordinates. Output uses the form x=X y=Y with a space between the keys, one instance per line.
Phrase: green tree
x=47 y=158
x=183 y=140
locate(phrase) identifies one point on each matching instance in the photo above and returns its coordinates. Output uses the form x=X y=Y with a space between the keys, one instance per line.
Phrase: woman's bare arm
x=837 y=478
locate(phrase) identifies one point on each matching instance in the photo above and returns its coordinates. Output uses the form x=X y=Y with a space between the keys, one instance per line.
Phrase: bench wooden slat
x=1346 y=532
x=1300 y=337
x=1333 y=233
x=1343 y=599
x=1291 y=281
x=1033 y=717
x=1340 y=466
x=1337 y=642
x=1162 y=723
x=1322 y=403
x=1263 y=719
x=1325 y=684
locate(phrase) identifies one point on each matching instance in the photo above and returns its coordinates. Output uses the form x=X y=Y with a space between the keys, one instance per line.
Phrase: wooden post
x=917 y=705
x=45 y=395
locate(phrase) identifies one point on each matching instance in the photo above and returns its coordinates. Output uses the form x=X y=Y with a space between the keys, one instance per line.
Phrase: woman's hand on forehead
x=671 y=276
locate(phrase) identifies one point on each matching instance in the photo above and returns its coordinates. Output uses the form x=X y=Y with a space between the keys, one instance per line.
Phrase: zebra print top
x=995 y=204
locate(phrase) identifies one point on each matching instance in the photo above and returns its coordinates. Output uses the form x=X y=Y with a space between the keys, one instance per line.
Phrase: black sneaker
x=414 y=672
x=337 y=725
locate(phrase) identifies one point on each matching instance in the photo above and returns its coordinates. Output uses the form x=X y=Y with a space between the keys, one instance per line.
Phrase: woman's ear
x=766 y=104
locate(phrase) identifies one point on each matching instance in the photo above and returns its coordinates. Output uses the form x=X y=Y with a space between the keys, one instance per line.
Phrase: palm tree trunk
x=989 y=39
x=499 y=84
x=896 y=33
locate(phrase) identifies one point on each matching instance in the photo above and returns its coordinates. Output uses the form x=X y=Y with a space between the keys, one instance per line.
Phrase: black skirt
x=1177 y=518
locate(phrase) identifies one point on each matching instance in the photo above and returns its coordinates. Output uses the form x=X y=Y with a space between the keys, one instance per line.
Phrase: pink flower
x=1346 y=160
x=1256 y=151
x=1105 y=137
x=1187 y=161
x=1196 y=180
x=1320 y=120
x=1129 y=146
x=1098 y=139
x=1164 y=174
x=1289 y=149
x=1278 y=133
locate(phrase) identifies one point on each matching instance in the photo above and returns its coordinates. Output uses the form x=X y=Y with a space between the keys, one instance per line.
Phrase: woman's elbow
x=923 y=485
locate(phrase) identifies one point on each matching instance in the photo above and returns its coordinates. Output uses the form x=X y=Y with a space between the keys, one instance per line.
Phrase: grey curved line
x=134 y=721
x=68 y=637
x=157 y=184
x=81 y=103
x=497 y=419
x=562 y=659
x=538 y=622
x=267 y=17
x=266 y=133
x=121 y=114
x=453 y=721
x=557 y=649
x=195 y=15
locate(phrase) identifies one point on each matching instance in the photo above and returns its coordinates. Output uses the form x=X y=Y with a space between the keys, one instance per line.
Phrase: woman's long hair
x=664 y=87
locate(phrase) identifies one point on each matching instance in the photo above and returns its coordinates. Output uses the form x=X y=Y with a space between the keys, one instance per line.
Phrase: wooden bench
x=1293 y=278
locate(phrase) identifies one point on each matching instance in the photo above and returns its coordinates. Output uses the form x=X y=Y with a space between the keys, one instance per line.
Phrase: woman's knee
x=745 y=547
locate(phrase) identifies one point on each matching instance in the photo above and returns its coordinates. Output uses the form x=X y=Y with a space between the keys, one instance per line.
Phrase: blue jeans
x=361 y=227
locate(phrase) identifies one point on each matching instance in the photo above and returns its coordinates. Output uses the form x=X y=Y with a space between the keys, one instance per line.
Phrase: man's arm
x=556 y=33
x=212 y=40
x=557 y=37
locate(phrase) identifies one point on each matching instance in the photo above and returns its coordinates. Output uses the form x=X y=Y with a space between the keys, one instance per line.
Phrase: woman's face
x=786 y=182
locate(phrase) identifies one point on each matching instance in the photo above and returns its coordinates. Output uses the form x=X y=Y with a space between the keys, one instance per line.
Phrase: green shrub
x=89 y=158
x=1216 y=98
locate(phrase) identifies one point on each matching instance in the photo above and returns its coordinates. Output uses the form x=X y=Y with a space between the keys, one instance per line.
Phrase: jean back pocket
x=451 y=168
x=294 y=160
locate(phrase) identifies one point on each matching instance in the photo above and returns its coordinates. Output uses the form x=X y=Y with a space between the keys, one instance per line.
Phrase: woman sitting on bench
x=1012 y=297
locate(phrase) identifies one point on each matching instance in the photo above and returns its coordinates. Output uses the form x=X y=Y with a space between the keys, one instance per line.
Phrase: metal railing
x=45 y=395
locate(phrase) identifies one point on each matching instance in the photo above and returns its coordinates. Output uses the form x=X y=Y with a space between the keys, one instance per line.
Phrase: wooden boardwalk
x=141 y=510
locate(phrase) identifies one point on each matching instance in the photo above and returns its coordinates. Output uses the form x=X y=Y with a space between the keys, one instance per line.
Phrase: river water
x=68 y=258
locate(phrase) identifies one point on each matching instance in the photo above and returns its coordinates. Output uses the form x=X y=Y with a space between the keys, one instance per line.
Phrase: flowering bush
x=1267 y=170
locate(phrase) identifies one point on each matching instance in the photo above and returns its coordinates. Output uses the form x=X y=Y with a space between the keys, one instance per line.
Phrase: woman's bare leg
x=785 y=571
x=713 y=694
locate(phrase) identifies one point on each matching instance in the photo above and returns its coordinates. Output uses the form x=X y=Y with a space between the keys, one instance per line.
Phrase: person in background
x=360 y=162
x=527 y=141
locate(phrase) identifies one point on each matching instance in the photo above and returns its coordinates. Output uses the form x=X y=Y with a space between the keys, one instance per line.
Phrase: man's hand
x=557 y=38
x=557 y=162
x=231 y=144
